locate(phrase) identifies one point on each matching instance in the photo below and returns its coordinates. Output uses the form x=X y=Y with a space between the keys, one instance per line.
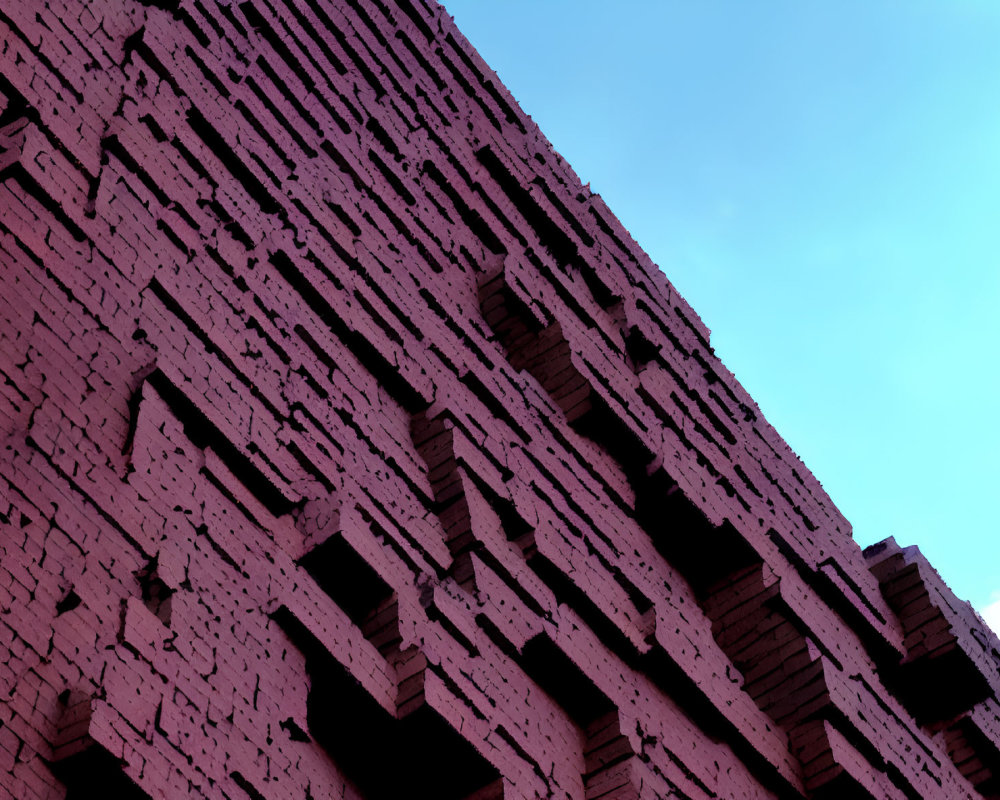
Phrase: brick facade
x=351 y=448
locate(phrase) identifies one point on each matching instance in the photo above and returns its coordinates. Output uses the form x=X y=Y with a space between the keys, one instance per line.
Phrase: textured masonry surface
x=351 y=448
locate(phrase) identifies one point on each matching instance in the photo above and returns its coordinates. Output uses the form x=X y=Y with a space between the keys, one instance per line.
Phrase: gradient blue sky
x=821 y=181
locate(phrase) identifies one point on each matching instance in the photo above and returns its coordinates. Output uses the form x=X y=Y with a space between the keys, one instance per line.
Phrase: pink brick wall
x=352 y=448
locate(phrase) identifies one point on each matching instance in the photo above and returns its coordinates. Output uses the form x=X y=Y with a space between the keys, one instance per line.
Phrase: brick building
x=352 y=449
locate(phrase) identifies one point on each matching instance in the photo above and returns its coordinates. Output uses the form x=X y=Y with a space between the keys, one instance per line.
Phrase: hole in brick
x=156 y=595
x=419 y=755
x=603 y=426
x=295 y=733
x=639 y=349
x=605 y=296
x=97 y=775
x=703 y=553
x=70 y=601
x=350 y=581
x=134 y=401
x=562 y=680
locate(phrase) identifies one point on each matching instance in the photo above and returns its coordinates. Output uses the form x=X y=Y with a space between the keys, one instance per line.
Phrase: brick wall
x=352 y=448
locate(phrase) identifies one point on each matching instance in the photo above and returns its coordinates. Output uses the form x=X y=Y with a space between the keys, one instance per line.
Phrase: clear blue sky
x=821 y=181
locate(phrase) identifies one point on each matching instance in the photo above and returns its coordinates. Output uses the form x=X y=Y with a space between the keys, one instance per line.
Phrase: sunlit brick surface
x=352 y=448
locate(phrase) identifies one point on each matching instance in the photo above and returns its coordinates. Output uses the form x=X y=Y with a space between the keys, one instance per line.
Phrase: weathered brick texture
x=351 y=448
